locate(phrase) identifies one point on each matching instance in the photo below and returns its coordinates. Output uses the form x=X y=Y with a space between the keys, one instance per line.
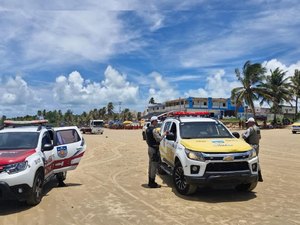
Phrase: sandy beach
x=109 y=187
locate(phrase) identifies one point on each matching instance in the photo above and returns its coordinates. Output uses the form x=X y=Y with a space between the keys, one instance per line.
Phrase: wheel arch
x=41 y=170
x=177 y=160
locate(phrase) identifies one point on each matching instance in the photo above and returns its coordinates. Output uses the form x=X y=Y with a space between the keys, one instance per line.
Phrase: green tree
x=277 y=90
x=151 y=101
x=69 y=117
x=296 y=88
x=139 y=116
x=102 y=112
x=2 y=119
x=250 y=77
x=110 y=109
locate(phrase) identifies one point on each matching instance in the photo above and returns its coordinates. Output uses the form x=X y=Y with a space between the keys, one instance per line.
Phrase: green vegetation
x=251 y=75
x=57 y=118
x=275 y=89
x=296 y=89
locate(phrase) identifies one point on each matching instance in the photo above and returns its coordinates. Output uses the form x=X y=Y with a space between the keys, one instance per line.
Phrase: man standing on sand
x=252 y=136
x=153 y=139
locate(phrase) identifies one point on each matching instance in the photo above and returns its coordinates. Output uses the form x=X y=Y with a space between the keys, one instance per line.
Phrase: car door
x=162 y=146
x=171 y=145
x=47 y=156
x=69 y=147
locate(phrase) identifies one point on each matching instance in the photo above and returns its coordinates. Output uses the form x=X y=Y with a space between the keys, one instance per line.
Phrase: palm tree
x=251 y=75
x=69 y=117
x=296 y=88
x=110 y=110
x=277 y=90
x=151 y=101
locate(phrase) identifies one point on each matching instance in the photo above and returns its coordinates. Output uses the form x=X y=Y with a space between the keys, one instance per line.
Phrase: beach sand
x=109 y=187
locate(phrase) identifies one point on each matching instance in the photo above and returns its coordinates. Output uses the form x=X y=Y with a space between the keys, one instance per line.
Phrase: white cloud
x=274 y=63
x=15 y=92
x=266 y=32
x=160 y=89
x=44 y=38
x=216 y=86
x=73 y=89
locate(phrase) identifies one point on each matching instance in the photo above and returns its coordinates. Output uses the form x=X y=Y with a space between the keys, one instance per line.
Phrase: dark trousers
x=154 y=158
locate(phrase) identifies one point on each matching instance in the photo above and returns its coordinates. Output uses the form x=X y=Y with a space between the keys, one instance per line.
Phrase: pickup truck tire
x=246 y=187
x=180 y=182
x=294 y=132
x=37 y=190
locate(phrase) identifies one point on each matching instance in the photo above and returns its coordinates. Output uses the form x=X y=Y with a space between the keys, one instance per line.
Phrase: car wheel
x=180 y=182
x=294 y=132
x=246 y=187
x=37 y=190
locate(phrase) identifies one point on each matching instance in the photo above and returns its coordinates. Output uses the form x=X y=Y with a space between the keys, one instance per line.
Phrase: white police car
x=203 y=152
x=30 y=155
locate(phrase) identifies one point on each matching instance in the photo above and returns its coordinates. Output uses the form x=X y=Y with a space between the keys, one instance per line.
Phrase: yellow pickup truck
x=204 y=152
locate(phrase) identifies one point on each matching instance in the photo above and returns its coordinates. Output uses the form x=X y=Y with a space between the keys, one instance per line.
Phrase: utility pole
x=120 y=109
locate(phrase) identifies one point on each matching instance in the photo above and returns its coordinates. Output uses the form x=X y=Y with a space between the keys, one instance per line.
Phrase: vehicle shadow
x=209 y=195
x=13 y=206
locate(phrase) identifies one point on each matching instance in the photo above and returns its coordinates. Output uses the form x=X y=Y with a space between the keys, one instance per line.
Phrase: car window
x=67 y=136
x=46 y=139
x=203 y=130
x=18 y=140
x=173 y=130
x=166 y=126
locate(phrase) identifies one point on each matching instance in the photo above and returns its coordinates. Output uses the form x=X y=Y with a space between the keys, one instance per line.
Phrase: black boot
x=260 y=179
x=153 y=184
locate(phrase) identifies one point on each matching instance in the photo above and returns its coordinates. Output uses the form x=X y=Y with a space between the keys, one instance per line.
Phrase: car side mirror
x=236 y=134
x=170 y=136
x=47 y=147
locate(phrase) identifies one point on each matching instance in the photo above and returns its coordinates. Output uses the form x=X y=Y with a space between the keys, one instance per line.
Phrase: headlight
x=194 y=155
x=252 y=154
x=16 y=167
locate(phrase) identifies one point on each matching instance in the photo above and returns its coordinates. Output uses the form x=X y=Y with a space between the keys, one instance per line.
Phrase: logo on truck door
x=62 y=151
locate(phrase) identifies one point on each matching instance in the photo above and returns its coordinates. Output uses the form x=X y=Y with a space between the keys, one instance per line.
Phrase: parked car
x=32 y=153
x=296 y=127
x=203 y=152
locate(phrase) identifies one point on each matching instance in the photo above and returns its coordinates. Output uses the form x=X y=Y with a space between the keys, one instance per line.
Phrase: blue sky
x=69 y=55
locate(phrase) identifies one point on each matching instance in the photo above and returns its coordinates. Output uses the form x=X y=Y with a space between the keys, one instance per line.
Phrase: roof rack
x=14 y=123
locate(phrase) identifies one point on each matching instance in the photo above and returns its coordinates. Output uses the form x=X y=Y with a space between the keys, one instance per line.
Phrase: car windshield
x=98 y=123
x=191 y=130
x=18 y=140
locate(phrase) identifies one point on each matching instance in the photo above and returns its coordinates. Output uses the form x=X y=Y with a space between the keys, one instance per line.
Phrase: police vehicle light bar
x=24 y=123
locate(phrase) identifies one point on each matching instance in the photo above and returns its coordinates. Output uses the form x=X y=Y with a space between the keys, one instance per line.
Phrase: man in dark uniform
x=153 y=139
x=252 y=136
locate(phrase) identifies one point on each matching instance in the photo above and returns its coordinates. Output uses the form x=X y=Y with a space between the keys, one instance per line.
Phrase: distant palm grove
x=57 y=118
x=275 y=89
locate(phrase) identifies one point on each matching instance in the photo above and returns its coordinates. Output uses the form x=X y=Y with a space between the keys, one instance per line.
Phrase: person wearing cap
x=252 y=136
x=153 y=139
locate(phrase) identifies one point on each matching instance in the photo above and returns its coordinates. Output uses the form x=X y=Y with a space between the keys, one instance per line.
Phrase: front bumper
x=19 y=192
x=232 y=178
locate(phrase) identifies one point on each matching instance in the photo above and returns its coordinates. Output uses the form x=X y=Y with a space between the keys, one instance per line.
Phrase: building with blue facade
x=218 y=106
